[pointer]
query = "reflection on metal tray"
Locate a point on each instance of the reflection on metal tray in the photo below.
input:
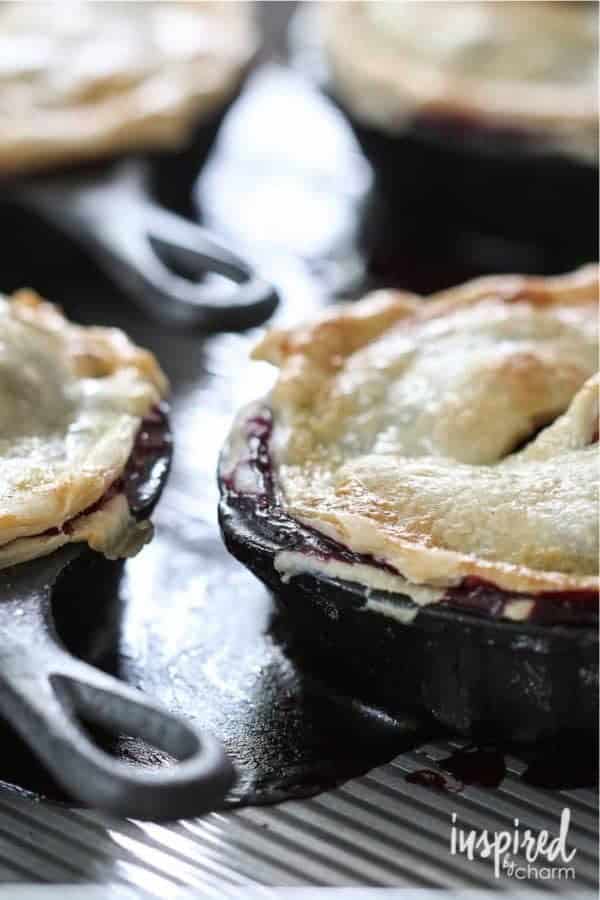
(378, 830)
(186, 607)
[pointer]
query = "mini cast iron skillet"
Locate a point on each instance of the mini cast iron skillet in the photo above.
(481, 196)
(155, 255)
(477, 674)
(45, 693)
(484, 199)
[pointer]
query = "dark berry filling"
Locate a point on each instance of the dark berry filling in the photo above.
(146, 467)
(473, 596)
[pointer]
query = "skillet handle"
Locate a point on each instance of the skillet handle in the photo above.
(44, 708)
(154, 255)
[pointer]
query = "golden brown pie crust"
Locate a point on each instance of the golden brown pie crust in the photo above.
(98, 79)
(71, 402)
(398, 420)
(508, 65)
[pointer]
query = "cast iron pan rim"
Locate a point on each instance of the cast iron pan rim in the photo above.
(163, 459)
(489, 680)
(230, 518)
(478, 139)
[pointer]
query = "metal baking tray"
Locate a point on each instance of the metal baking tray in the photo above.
(376, 831)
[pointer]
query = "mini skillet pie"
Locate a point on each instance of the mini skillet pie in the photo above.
(436, 445)
(92, 79)
(72, 403)
(525, 67)
(474, 117)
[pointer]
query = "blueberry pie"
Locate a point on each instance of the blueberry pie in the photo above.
(86, 80)
(78, 408)
(476, 117)
(445, 440)
(420, 491)
(530, 67)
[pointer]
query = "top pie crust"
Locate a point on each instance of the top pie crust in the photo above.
(397, 424)
(71, 403)
(80, 80)
(530, 66)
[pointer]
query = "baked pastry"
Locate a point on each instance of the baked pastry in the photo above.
(529, 67)
(420, 491)
(475, 117)
(75, 407)
(442, 442)
(103, 78)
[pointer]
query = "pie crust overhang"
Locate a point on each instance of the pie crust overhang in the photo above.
(71, 403)
(81, 80)
(527, 67)
(450, 439)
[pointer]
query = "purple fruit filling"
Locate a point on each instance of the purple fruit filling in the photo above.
(262, 507)
(147, 463)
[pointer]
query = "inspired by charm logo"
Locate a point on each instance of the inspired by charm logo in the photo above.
(519, 853)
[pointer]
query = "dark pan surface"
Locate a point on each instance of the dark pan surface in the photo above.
(486, 202)
(473, 672)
